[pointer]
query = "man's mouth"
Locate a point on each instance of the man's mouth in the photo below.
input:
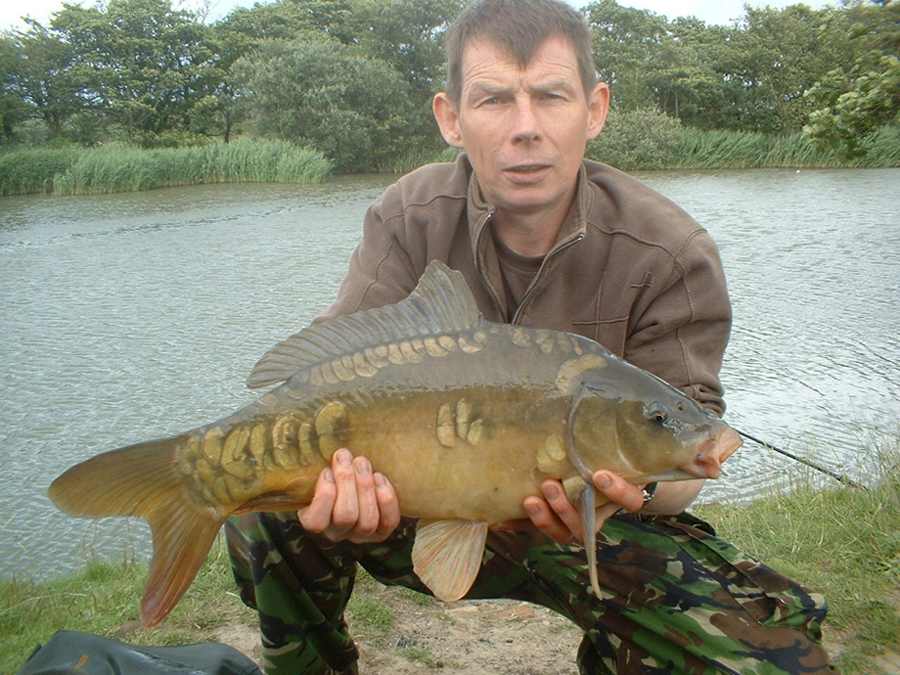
(527, 172)
(531, 166)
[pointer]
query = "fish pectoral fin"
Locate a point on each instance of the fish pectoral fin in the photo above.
(447, 555)
(671, 475)
(271, 502)
(587, 507)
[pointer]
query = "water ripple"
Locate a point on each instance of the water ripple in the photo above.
(127, 317)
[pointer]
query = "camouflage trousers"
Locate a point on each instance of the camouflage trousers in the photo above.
(676, 598)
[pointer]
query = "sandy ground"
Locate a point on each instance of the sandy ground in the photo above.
(466, 638)
(476, 637)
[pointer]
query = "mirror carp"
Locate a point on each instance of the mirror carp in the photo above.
(465, 416)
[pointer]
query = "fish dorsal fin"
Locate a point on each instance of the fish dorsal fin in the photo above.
(447, 555)
(440, 303)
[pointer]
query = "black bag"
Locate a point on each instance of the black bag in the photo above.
(73, 653)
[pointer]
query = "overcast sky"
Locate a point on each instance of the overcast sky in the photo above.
(711, 11)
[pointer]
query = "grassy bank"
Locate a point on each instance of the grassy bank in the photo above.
(642, 140)
(843, 543)
(116, 168)
(647, 140)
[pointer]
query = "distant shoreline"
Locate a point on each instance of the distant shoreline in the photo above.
(630, 144)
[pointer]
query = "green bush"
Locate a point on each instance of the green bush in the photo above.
(647, 139)
(355, 108)
(641, 139)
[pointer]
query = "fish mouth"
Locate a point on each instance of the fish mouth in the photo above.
(713, 452)
(728, 443)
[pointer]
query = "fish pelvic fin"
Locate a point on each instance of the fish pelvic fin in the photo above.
(440, 303)
(447, 555)
(143, 481)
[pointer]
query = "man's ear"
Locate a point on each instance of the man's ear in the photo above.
(598, 109)
(447, 117)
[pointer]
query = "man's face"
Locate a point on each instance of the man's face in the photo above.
(524, 129)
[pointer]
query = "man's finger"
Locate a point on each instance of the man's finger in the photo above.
(546, 521)
(346, 506)
(619, 491)
(317, 516)
(388, 506)
(368, 519)
(563, 508)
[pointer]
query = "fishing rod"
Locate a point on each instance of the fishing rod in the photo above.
(839, 477)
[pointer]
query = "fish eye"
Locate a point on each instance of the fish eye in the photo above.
(660, 417)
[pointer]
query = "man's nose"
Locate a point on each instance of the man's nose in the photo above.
(525, 123)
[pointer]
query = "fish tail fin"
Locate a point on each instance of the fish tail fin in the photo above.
(143, 480)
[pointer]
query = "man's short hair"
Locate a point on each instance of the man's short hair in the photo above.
(519, 27)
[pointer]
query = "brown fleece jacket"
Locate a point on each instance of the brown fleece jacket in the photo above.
(629, 269)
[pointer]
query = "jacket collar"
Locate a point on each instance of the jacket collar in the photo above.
(484, 251)
(479, 211)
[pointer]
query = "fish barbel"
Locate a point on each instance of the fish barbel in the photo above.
(466, 417)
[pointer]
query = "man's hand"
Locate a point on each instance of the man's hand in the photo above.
(556, 518)
(351, 502)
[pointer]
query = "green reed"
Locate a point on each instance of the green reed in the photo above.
(32, 171)
(420, 156)
(121, 168)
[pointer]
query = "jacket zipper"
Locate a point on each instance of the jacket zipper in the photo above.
(482, 225)
(528, 291)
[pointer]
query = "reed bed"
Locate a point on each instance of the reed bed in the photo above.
(647, 145)
(421, 156)
(118, 168)
(30, 171)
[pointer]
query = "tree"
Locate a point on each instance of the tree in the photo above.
(12, 108)
(221, 108)
(289, 19)
(627, 44)
(853, 101)
(408, 35)
(353, 107)
(784, 52)
(146, 64)
(45, 79)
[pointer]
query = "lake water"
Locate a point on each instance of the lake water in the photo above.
(129, 317)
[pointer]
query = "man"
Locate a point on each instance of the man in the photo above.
(544, 239)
